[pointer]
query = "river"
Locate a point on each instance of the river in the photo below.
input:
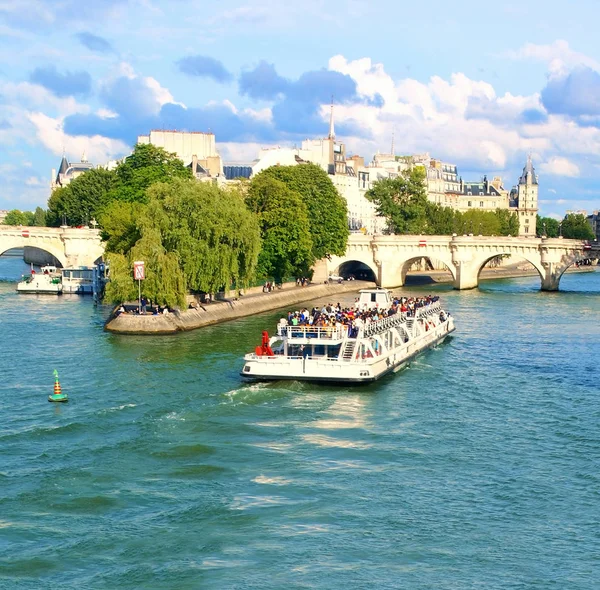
(477, 467)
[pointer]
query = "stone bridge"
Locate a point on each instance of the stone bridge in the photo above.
(390, 257)
(70, 246)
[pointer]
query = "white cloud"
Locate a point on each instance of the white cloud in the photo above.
(559, 56)
(51, 135)
(33, 181)
(559, 166)
(26, 95)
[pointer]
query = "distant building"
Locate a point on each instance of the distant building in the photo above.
(593, 220)
(196, 149)
(68, 171)
(233, 171)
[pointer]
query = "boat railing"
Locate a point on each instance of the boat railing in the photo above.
(384, 324)
(432, 308)
(318, 332)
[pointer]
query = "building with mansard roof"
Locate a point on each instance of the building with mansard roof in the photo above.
(68, 171)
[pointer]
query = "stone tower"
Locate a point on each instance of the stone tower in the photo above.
(527, 204)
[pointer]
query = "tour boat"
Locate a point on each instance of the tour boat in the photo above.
(388, 335)
(47, 281)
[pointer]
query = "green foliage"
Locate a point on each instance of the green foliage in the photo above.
(39, 217)
(576, 226)
(164, 282)
(147, 165)
(191, 236)
(547, 226)
(284, 228)
(121, 286)
(403, 202)
(216, 237)
(119, 223)
(17, 217)
(81, 200)
(327, 210)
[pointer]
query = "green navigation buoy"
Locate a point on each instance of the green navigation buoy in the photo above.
(58, 395)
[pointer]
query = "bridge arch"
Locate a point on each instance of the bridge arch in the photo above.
(482, 261)
(358, 269)
(7, 244)
(404, 266)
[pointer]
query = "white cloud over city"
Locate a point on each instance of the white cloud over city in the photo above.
(481, 118)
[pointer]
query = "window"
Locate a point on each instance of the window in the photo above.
(469, 204)
(494, 204)
(481, 204)
(527, 230)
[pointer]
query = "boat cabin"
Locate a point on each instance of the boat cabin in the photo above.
(374, 299)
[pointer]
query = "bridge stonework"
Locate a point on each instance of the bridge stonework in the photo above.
(390, 257)
(70, 246)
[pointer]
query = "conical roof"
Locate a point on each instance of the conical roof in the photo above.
(529, 169)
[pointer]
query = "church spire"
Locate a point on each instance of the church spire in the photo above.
(331, 128)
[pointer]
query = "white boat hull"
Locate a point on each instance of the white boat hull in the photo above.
(275, 368)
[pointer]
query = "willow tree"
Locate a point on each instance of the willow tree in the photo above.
(283, 218)
(327, 209)
(210, 229)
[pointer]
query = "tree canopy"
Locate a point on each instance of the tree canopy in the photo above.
(192, 236)
(91, 194)
(146, 165)
(547, 226)
(284, 226)
(576, 226)
(403, 202)
(327, 210)
(82, 199)
(17, 217)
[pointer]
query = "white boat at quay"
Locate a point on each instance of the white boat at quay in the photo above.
(380, 335)
(45, 282)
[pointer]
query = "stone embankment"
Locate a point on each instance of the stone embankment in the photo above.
(230, 309)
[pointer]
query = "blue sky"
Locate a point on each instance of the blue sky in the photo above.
(478, 84)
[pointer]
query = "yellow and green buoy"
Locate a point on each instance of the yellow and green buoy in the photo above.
(58, 395)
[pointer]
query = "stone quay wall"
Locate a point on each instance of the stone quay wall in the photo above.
(230, 309)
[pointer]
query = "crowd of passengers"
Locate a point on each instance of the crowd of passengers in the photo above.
(354, 318)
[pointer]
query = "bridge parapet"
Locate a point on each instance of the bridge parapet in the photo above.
(391, 256)
(70, 246)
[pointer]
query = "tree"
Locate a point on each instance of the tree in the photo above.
(576, 226)
(215, 236)
(17, 217)
(121, 286)
(146, 165)
(119, 223)
(191, 235)
(327, 210)
(82, 199)
(284, 228)
(402, 201)
(39, 217)
(508, 222)
(546, 226)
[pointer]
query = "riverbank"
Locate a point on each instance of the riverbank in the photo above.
(229, 309)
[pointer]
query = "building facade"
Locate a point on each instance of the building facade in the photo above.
(68, 171)
(196, 149)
